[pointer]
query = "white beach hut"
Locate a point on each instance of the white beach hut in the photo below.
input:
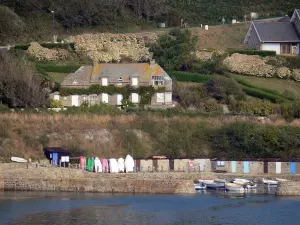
(113, 166)
(129, 164)
(98, 165)
(121, 165)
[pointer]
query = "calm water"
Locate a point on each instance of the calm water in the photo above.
(210, 207)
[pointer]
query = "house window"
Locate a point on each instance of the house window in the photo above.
(157, 80)
(104, 81)
(134, 81)
(160, 97)
(285, 48)
(135, 98)
(120, 79)
(105, 98)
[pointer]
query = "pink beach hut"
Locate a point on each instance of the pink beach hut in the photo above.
(82, 162)
(105, 166)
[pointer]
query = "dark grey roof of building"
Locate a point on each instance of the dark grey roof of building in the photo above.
(276, 32)
(298, 11)
(80, 78)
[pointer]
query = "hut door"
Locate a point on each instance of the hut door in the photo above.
(293, 167)
(246, 167)
(155, 165)
(265, 167)
(137, 165)
(213, 165)
(171, 164)
(55, 159)
(278, 167)
(202, 164)
(233, 166)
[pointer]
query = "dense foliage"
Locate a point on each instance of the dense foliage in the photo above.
(173, 51)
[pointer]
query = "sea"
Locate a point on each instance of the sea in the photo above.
(204, 207)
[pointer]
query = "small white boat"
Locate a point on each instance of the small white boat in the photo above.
(219, 180)
(18, 159)
(215, 185)
(269, 182)
(240, 181)
(234, 187)
(206, 180)
(281, 180)
(200, 186)
(250, 186)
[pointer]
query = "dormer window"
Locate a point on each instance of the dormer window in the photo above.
(120, 79)
(157, 80)
(74, 82)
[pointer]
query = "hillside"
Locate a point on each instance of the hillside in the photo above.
(35, 18)
(25, 135)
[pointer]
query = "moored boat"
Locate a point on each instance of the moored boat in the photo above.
(240, 181)
(250, 186)
(234, 187)
(200, 186)
(281, 180)
(215, 185)
(220, 180)
(269, 182)
(206, 180)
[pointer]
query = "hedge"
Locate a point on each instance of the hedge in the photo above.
(253, 52)
(48, 45)
(49, 67)
(189, 77)
(273, 92)
(263, 95)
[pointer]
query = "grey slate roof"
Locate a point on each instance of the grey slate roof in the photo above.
(276, 32)
(80, 77)
(88, 75)
(298, 11)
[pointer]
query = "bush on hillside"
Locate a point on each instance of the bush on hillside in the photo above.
(189, 77)
(221, 88)
(290, 111)
(255, 107)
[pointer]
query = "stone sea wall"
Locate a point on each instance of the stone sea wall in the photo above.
(288, 188)
(59, 179)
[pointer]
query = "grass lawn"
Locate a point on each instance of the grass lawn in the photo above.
(273, 84)
(58, 77)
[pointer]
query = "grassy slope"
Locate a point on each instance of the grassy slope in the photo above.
(274, 84)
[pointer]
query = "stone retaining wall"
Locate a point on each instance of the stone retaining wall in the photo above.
(288, 188)
(60, 179)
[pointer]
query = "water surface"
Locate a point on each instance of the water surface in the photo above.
(208, 207)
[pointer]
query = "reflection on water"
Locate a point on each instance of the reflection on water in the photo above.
(205, 207)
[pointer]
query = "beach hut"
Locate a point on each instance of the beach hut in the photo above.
(129, 164)
(82, 162)
(57, 156)
(113, 166)
(147, 165)
(121, 165)
(90, 164)
(105, 167)
(98, 165)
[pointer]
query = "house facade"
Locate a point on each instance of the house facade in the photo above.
(133, 75)
(282, 36)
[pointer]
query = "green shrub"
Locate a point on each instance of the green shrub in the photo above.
(255, 107)
(290, 110)
(56, 104)
(22, 46)
(189, 77)
(4, 108)
(262, 53)
(221, 88)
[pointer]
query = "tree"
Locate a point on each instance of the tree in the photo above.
(19, 85)
(172, 51)
(11, 26)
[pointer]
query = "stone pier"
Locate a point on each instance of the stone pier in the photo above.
(288, 188)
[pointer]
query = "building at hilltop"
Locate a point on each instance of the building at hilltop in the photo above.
(135, 79)
(282, 36)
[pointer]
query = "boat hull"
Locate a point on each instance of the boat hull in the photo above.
(234, 187)
(215, 185)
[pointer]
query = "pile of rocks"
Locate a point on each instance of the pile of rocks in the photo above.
(41, 53)
(108, 47)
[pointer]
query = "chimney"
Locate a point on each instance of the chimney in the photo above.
(152, 62)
